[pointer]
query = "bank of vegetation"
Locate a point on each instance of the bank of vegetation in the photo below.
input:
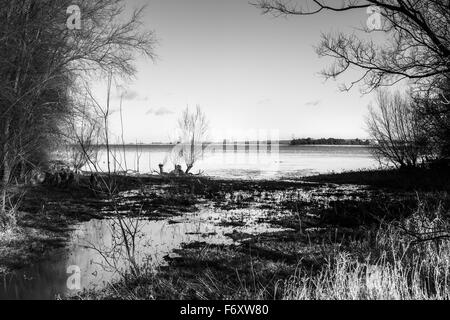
(330, 142)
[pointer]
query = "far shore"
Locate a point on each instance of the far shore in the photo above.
(285, 143)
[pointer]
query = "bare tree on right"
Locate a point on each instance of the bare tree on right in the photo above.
(394, 124)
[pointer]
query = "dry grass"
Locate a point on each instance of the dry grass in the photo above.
(405, 261)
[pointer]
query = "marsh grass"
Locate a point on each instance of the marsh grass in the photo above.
(348, 279)
(405, 259)
(8, 218)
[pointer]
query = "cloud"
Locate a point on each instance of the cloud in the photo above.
(128, 95)
(162, 111)
(314, 103)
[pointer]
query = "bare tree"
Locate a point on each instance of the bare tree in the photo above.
(121, 132)
(41, 61)
(417, 45)
(104, 113)
(434, 111)
(83, 136)
(395, 127)
(192, 133)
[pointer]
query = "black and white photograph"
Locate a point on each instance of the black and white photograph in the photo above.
(201, 151)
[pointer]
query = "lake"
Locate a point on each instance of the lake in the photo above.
(92, 253)
(239, 161)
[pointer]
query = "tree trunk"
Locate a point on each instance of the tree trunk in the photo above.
(191, 155)
(189, 167)
(6, 168)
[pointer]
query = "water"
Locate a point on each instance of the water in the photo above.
(281, 161)
(101, 252)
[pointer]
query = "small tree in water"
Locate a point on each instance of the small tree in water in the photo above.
(192, 133)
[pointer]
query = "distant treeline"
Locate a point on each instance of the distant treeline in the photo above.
(329, 141)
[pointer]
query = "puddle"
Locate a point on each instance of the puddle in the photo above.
(100, 250)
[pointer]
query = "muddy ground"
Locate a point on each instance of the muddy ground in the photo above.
(314, 213)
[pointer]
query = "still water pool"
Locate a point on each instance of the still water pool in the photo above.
(102, 250)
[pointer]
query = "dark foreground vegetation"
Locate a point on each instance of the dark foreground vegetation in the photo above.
(416, 179)
(341, 241)
(357, 235)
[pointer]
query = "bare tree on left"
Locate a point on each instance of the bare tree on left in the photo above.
(42, 62)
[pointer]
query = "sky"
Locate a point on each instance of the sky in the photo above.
(246, 70)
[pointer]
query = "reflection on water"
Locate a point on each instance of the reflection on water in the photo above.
(243, 163)
(103, 249)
